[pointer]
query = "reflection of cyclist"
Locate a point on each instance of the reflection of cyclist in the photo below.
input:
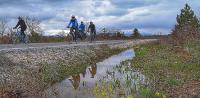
(92, 30)
(93, 70)
(22, 25)
(73, 25)
(75, 81)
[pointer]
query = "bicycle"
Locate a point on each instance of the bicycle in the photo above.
(75, 35)
(18, 37)
(83, 35)
(92, 35)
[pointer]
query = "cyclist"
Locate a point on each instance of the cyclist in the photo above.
(82, 29)
(73, 25)
(22, 25)
(92, 30)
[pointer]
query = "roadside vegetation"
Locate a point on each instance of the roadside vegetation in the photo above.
(173, 64)
(170, 68)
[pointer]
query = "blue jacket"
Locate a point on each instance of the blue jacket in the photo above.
(82, 27)
(73, 23)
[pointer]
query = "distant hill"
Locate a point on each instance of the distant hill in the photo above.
(143, 34)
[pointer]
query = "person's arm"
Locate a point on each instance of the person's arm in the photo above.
(76, 23)
(17, 25)
(89, 28)
(84, 27)
(79, 27)
(95, 28)
(69, 24)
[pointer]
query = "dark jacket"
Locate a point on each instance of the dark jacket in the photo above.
(92, 28)
(22, 24)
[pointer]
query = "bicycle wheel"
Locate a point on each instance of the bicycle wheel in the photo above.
(27, 39)
(16, 38)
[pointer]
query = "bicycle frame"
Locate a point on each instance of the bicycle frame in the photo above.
(18, 37)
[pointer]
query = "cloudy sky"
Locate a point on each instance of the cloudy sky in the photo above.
(149, 16)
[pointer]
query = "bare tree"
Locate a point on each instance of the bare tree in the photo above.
(33, 25)
(61, 33)
(3, 26)
(11, 35)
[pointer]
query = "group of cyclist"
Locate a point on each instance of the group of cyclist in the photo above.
(79, 31)
(76, 30)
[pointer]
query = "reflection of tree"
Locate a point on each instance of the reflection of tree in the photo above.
(75, 81)
(93, 70)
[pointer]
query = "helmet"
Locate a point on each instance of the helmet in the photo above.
(19, 17)
(73, 16)
(81, 21)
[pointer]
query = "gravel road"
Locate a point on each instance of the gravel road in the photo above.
(10, 47)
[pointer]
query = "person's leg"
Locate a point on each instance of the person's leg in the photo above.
(72, 33)
(84, 35)
(75, 34)
(80, 35)
(94, 34)
(23, 36)
(91, 36)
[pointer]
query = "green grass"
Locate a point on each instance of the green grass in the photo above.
(173, 82)
(194, 47)
(146, 93)
(198, 96)
(168, 67)
(142, 52)
(196, 76)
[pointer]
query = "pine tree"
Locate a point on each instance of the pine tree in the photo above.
(136, 33)
(187, 26)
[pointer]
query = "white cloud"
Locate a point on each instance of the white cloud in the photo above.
(105, 7)
(55, 32)
(147, 15)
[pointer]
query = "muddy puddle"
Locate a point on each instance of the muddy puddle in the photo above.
(111, 78)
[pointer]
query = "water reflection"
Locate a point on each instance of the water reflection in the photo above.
(75, 81)
(93, 70)
(109, 76)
